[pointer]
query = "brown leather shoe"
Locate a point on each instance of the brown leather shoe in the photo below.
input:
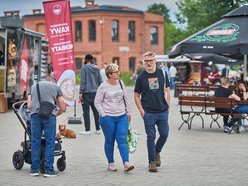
(158, 161)
(152, 166)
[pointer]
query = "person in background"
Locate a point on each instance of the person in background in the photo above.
(102, 72)
(225, 91)
(225, 71)
(241, 72)
(1, 58)
(187, 72)
(50, 92)
(173, 72)
(112, 104)
(90, 79)
(165, 68)
(152, 98)
(140, 68)
(242, 92)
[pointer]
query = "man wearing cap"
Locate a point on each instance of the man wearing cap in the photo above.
(90, 79)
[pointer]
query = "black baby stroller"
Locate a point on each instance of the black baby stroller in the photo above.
(24, 155)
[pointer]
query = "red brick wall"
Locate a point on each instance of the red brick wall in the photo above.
(157, 21)
(103, 48)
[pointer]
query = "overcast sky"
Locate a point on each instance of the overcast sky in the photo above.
(26, 6)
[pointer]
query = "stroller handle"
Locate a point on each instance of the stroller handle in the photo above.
(17, 105)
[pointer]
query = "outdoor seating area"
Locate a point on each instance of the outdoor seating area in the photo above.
(198, 101)
(202, 106)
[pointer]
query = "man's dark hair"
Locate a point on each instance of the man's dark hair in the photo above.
(88, 58)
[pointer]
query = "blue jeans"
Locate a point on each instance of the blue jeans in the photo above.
(161, 120)
(39, 124)
(115, 128)
(243, 109)
(172, 82)
(88, 101)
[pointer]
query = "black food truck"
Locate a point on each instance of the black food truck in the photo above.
(20, 62)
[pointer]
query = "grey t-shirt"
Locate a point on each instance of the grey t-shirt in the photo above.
(48, 92)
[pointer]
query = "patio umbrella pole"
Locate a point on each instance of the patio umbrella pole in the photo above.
(245, 66)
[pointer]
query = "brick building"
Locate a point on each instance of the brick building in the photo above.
(110, 33)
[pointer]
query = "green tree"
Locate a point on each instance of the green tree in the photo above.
(172, 35)
(198, 14)
(161, 9)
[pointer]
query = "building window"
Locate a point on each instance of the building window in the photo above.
(78, 63)
(78, 31)
(41, 27)
(131, 64)
(92, 30)
(131, 31)
(154, 35)
(115, 30)
(116, 60)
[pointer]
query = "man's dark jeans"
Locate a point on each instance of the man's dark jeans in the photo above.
(226, 120)
(88, 101)
(161, 120)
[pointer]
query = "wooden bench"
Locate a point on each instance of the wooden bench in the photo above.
(192, 89)
(206, 105)
(191, 102)
(188, 89)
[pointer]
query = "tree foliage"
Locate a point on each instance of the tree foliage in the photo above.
(172, 35)
(161, 9)
(193, 16)
(198, 14)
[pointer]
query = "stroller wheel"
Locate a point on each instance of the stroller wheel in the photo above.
(18, 159)
(61, 164)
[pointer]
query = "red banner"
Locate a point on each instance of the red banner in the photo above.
(23, 67)
(59, 32)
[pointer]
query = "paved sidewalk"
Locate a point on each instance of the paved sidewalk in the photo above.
(196, 157)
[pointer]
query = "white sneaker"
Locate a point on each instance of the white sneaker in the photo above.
(85, 132)
(112, 167)
(128, 167)
(227, 129)
(98, 132)
(241, 129)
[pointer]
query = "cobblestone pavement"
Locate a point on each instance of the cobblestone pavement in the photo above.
(196, 157)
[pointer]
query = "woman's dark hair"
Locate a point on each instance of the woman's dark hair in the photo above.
(238, 91)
